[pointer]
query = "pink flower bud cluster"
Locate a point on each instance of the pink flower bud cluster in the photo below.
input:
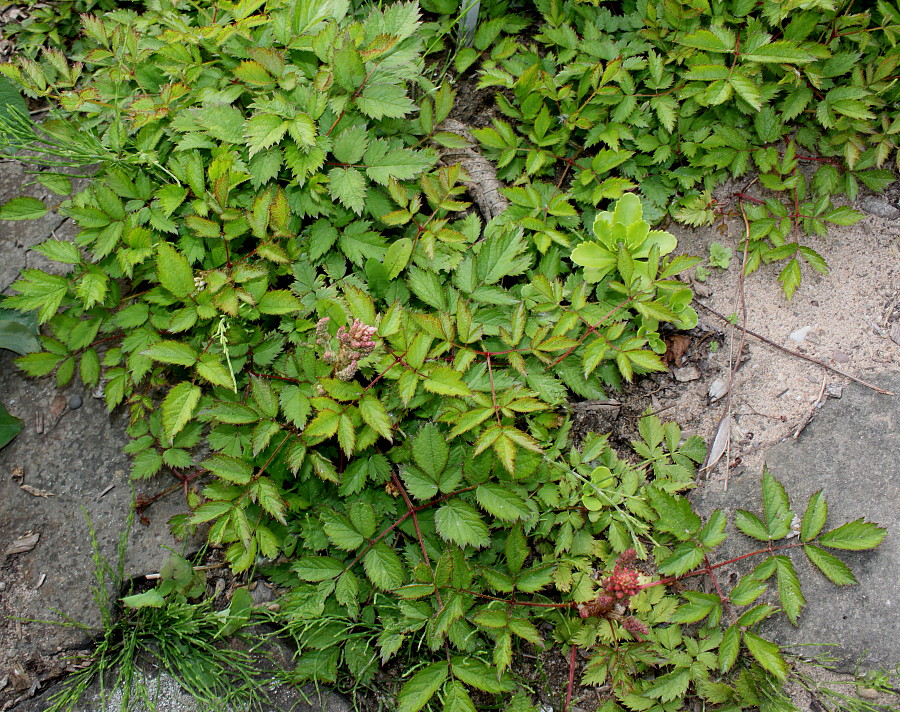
(354, 344)
(618, 588)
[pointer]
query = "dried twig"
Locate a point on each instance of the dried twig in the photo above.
(734, 361)
(803, 356)
(812, 411)
(483, 186)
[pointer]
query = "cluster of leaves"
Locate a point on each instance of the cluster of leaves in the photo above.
(672, 98)
(265, 212)
(57, 25)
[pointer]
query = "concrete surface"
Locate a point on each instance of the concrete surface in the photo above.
(851, 451)
(18, 237)
(76, 460)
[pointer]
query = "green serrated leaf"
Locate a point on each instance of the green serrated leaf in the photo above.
(767, 654)
(173, 271)
(857, 535)
(460, 523)
(23, 209)
(420, 688)
(814, 518)
(383, 567)
(430, 451)
(789, 590)
(10, 426)
(178, 407)
(173, 352)
(832, 567)
(348, 186)
(776, 506)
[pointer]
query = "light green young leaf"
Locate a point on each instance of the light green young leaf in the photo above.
(348, 186)
(178, 407)
(23, 209)
(173, 271)
(460, 523)
(420, 688)
(430, 450)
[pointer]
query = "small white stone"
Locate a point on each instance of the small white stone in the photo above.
(800, 335)
(718, 388)
(687, 373)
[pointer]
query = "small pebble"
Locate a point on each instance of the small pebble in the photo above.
(718, 388)
(868, 693)
(840, 357)
(800, 335)
(75, 402)
(688, 373)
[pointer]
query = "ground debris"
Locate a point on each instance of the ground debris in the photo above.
(35, 492)
(23, 544)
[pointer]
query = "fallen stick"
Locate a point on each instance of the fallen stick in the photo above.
(799, 355)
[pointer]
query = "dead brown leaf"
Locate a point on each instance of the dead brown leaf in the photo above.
(57, 405)
(676, 346)
(36, 492)
(24, 543)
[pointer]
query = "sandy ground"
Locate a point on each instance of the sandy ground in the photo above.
(845, 320)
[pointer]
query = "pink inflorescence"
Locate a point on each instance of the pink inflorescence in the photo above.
(354, 344)
(618, 587)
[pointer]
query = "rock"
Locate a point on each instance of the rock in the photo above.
(868, 693)
(75, 402)
(834, 390)
(879, 207)
(850, 451)
(840, 357)
(800, 335)
(167, 695)
(686, 373)
(717, 389)
(76, 459)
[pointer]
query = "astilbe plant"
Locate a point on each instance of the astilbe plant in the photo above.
(271, 271)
